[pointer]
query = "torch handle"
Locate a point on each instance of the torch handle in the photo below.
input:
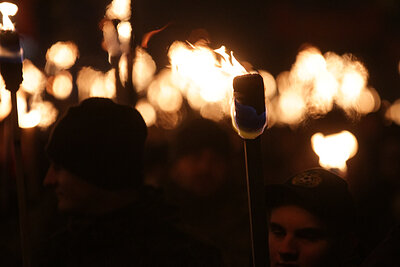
(256, 202)
(23, 216)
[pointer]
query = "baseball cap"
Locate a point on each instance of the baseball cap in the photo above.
(319, 191)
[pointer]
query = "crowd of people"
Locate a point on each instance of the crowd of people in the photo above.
(117, 206)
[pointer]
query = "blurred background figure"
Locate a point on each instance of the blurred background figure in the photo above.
(206, 184)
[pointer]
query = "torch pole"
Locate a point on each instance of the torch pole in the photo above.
(256, 201)
(21, 187)
(11, 70)
(250, 120)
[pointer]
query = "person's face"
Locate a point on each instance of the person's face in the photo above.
(297, 238)
(73, 194)
(201, 173)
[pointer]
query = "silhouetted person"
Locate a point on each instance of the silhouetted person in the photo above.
(311, 219)
(207, 186)
(114, 219)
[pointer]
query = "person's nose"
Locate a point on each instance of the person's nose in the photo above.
(51, 177)
(288, 250)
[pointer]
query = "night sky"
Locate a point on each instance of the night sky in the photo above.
(267, 34)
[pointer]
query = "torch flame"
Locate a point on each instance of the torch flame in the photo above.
(143, 69)
(204, 75)
(94, 83)
(34, 80)
(319, 81)
(119, 9)
(147, 111)
(62, 55)
(334, 150)
(7, 9)
(62, 86)
(5, 100)
(393, 112)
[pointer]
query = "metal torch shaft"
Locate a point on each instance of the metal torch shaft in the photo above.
(256, 202)
(21, 187)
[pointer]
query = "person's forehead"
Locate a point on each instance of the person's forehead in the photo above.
(294, 217)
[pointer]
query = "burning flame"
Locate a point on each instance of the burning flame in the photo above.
(119, 9)
(5, 100)
(48, 113)
(61, 55)
(32, 110)
(34, 81)
(110, 39)
(37, 113)
(61, 85)
(143, 69)
(124, 30)
(93, 83)
(163, 94)
(123, 69)
(204, 75)
(26, 118)
(291, 107)
(334, 150)
(317, 81)
(148, 112)
(393, 112)
(7, 9)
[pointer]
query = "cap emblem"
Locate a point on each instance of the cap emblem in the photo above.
(307, 180)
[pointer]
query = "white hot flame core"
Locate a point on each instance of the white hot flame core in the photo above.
(204, 75)
(334, 150)
(7, 9)
(124, 31)
(119, 9)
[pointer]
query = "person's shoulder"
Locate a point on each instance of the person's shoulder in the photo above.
(175, 248)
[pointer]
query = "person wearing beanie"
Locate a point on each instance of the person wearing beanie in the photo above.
(311, 221)
(114, 219)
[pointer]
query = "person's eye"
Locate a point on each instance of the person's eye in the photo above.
(56, 167)
(311, 236)
(277, 231)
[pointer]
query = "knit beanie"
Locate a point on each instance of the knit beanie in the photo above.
(101, 142)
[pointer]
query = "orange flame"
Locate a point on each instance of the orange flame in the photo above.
(61, 86)
(110, 39)
(119, 9)
(393, 112)
(5, 100)
(92, 83)
(34, 81)
(148, 112)
(61, 55)
(319, 81)
(143, 69)
(334, 150)
(204, 75)
(163, 94)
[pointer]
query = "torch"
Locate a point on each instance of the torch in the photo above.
(11, 70)
(249, 119)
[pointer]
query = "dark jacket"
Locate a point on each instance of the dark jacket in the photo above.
(134, 236)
